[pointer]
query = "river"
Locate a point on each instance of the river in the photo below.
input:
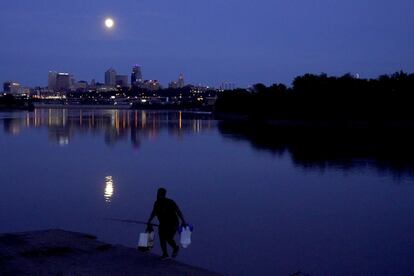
(261, 203)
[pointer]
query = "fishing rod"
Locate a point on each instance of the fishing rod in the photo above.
(131, 221)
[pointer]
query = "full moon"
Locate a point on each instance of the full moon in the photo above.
(109, 23)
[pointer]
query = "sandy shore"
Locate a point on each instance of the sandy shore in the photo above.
(58, 252)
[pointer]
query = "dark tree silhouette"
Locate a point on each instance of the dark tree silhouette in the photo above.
(323, 97)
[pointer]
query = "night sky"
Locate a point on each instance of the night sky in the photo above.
(242, 41)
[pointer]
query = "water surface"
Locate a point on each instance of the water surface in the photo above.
(259, 206)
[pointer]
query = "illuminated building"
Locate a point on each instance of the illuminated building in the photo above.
(59, 81)
(11, 87)
(180, 81)
(121, 80)
(177, 84)
(63, 81)
(136, 76)
(93, 84)
(110, 77)
(152, 85)
(81, 86)
(51, 80)
(72, 81)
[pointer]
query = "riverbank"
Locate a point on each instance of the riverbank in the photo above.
(79, 106)
(10, 103)
(249, 120)
(59, 252)
(120, 107)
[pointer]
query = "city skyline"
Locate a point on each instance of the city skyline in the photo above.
(111, 78)
(246, 43)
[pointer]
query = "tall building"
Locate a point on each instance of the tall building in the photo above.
(60, 81)
(11, 87)
(72, 81)
(93, 84)
(121, 80)
(81, 86)
(51, 80)
(177, 84)
(180, 81)
(110, 77)
(63, 81)
(136, 76)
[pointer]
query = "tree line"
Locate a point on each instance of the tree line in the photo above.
(10, 102)
(323, 97)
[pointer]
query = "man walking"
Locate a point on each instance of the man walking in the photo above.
(167, 212)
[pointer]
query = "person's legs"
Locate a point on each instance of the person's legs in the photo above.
(170, 239)
(175, 251)
(172, 243)
(163, 241)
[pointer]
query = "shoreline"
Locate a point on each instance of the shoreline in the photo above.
(59, 252)
(69, 106)
(240, 119)
(118, 107)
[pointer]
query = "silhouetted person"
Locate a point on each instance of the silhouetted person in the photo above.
(167, 212)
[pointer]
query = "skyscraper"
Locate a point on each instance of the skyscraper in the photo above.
(136, 76)
(177, 84)
(121, 80)
(180, 82)
(63, 81)
(11, 87)
(51, 80)
(93, 84)
(110, 77)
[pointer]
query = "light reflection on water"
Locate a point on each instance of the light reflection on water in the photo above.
(109, 188)
(117, 125)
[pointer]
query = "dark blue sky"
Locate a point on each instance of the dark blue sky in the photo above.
(243, 41)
